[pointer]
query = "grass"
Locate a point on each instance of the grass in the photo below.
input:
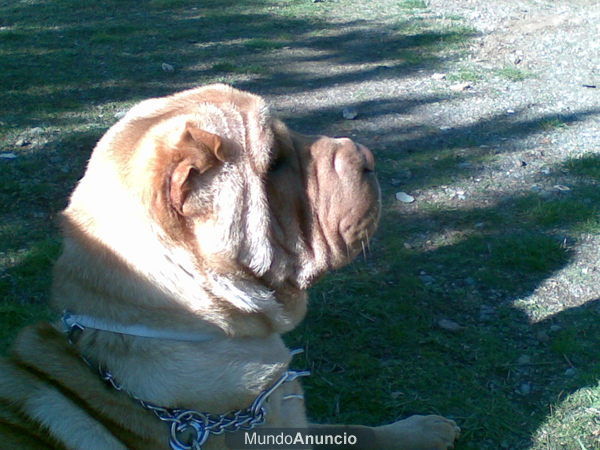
(69, 67)
(512, 73)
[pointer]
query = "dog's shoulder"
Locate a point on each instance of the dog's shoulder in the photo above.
(50, 395)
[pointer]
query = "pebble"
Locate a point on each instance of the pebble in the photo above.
(449, 325)
(427, 279)
(555, 328)
(8, 155)
(120, 114)
(404, 197)
(525, 389)
(571, 371)
(23, 142)
(349, 113)
(167, 68)
(438, 76)
(560, 187)
(460, 87)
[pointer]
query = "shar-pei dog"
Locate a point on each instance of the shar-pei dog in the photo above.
(189, 245)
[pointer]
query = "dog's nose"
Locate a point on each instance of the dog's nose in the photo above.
(355, 154)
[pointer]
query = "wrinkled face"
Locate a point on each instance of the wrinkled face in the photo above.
(249, 197)
(324, 200)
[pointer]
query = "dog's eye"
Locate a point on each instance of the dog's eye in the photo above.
(277, 163)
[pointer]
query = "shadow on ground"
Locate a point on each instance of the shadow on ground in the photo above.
(497, 375)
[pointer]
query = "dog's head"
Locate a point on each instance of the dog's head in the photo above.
(209, 177)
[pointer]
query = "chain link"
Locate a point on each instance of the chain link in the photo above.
(186, 423)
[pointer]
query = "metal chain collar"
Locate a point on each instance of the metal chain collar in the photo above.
(190, 429)
(201, 424)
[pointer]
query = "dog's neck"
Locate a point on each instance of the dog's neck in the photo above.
(125, 262)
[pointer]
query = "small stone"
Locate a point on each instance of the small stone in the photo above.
(438, 76)
(445, 128)
(523, 164)
(555, 328)
(427, 279)
(524, 360)
(404, 197)
(480, 225)
(525, 389)
(120, 114)
(349, 113)
(167, 68)
(22, 142)
(8, 155)
(460, 87)
(560, 187)
(407, 246)
(571, 372)
(449, 325)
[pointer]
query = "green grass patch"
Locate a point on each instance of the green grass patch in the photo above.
(413, 4)
(513, 73)
(573, 423)
(587, 165)
(465, 74)
(263, 44)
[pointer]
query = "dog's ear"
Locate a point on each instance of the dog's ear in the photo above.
(198, 152)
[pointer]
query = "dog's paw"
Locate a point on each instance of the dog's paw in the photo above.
(419, 433)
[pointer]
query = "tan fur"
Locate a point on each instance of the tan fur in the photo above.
(198, 212)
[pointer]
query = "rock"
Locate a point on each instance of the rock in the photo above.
(438, 76)
(560, 187)
(571, 372)
(120, 114)
(449, 325)
(460, 87)
(8, 155)
(427, 279)
(22, 142)
(349, 113)
(167, 68)
(404, 197)
(525, 389)
(555, 328)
